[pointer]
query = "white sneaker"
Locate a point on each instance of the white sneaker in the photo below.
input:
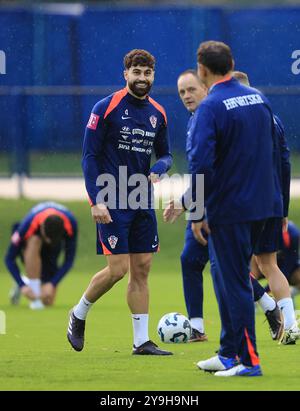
(240, 371)
(36, 305)
(290, 336)
(217, 363)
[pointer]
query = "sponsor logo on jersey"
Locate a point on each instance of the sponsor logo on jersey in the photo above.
(125, 130)
(112, 241)
(124, 146)
(150, 134)
(93, 121)
(138, 131)
(139, 149)
(153, 121)
(137, 140)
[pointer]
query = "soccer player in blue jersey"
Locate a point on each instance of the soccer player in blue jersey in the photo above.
(123, 130)
(233, 137)
(48, 230)
(195, 256)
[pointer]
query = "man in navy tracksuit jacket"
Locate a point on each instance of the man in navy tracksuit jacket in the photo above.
(232, 135)
(195, 256)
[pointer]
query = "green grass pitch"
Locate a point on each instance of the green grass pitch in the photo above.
(35, 354)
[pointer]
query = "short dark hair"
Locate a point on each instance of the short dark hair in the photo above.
(139, 57)
(216, 56)
(54, 228)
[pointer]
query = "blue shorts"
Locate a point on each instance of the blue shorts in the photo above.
(270, 240)
(131, 231)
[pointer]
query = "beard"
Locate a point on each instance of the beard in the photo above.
(140, 91)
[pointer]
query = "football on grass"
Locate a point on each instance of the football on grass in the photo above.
(174, 328)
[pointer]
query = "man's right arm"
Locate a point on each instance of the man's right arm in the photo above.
(92, 147)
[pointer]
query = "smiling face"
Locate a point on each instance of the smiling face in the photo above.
(139, 80)
(191, 91)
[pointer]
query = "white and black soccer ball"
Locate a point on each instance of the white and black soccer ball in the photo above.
(174, 328)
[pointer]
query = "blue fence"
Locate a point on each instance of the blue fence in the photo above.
(50, 48)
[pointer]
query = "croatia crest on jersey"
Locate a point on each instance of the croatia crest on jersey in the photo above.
(113, 241)
(153, 121)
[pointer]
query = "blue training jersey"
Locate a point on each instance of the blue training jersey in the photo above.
(30, 225)
(123, 131)
(233, 139)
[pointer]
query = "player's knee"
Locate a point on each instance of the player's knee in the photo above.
(141, 270)
(118, 272)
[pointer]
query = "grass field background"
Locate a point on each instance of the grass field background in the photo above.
(35, 354)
